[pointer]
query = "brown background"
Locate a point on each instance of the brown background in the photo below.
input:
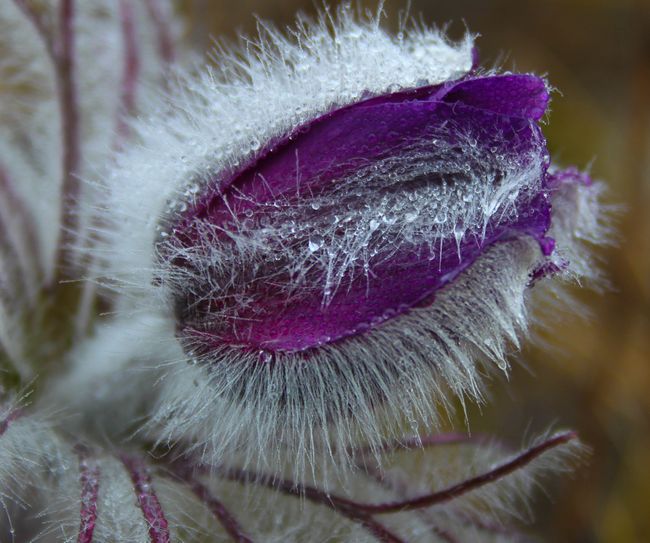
(597, 52)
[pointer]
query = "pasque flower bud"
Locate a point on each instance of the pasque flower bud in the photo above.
(342, 230)
(306, 254)
(360, 215)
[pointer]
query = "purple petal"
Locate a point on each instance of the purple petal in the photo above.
(514, 95)
(495, 114)
(340, 142)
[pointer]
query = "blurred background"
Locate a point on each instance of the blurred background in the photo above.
(597, 52)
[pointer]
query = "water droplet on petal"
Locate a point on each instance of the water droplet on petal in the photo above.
(265, 357)
(315, 243)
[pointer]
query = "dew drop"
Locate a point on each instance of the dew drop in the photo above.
(265, 357)
(411, 216)
(315, 243)
(440, 218)
(362, 327)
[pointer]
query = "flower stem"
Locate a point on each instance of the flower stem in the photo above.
(147, 499)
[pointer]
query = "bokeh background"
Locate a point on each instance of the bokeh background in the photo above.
(597, 53)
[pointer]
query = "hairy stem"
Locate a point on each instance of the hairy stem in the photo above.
(147, 500)
(130, 73)
(448, 494)
(89, 474)
(70, 188)
(362, 512)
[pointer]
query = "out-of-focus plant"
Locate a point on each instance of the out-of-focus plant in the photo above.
(299, 259)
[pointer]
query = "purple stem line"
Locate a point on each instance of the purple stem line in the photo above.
(399, 486)
(422, 442)
(448, 494)
(147, 499)
(218, 509)
(70, 188)
(131, 71)
(165, 41)
(381, 532)
(377, 529)
(318, 496)
(454, 491)
(89, 474)
(61, 52)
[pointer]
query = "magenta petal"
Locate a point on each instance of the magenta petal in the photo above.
(496, 115)
(514, 95)
(344, 140)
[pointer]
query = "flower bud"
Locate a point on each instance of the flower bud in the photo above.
(360, 215)
(342, 230)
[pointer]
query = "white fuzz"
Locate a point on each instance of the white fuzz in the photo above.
(581, 223)
(32, 456)
(275, 515)
(358, 390)
(112, 380)
(315, 411)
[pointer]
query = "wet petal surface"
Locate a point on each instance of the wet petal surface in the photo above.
(469, 154)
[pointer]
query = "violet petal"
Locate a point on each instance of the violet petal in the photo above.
(496, 115)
